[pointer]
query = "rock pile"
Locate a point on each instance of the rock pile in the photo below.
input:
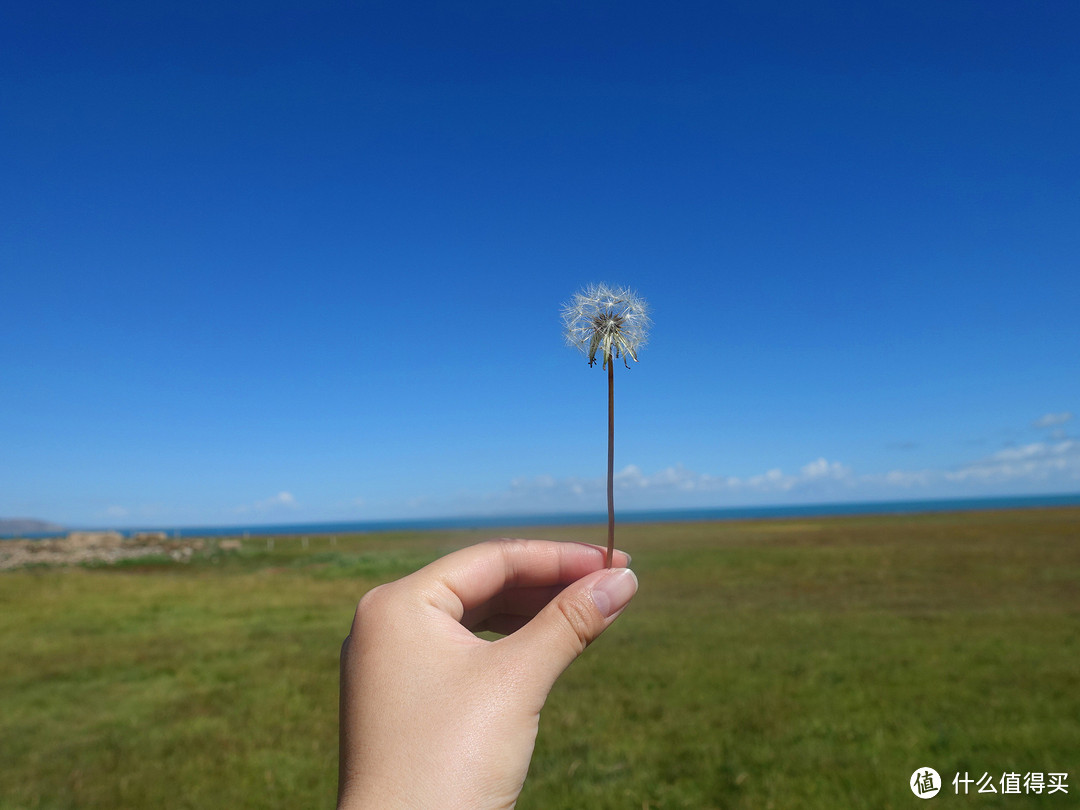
(87, 547)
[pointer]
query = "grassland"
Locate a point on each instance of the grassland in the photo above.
(763, 664)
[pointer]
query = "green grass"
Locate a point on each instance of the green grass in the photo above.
(781, 664)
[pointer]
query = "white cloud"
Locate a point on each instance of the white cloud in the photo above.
(1032, 462)
(908, 478)
(821, 469)
(677, 478)
(1048, 466)
(674, 482)
(283, 500)
(1041, 466)
(1052, 419)
(119, 515)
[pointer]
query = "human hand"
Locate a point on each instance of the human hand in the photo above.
(433, 716)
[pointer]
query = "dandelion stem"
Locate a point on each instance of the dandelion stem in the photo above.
(610, 459)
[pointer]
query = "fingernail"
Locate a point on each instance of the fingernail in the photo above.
(614, 590)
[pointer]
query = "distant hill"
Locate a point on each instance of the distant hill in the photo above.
(27, 526)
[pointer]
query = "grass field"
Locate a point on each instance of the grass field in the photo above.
(763, 664)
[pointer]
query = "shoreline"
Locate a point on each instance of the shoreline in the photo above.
(867, 509)
(154, 548)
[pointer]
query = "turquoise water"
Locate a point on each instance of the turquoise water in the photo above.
(645, 516)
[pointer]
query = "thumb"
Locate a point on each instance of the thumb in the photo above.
(562, 630)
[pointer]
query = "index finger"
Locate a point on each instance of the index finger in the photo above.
(470, 577)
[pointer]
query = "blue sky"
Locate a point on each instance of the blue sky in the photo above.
(284, 261)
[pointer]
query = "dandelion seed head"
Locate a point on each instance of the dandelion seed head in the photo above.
(610, 320)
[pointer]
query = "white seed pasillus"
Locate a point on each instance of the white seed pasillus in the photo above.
(611, 320)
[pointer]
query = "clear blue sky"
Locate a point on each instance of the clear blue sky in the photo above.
(296, 261)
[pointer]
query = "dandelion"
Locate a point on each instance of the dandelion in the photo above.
(615, 322)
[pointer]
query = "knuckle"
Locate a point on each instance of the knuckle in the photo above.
(371, 599)
(509, 547)
(372, 606)
(580, 616)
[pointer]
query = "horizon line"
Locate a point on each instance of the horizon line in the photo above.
(553, 518)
